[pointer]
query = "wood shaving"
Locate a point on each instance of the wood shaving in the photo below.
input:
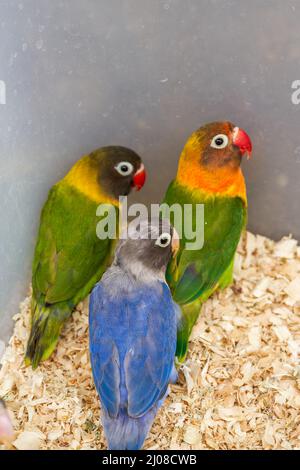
(239, 388)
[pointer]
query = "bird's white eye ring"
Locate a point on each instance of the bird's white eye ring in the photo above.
(219, 141)
(164, 240)
(124, 168)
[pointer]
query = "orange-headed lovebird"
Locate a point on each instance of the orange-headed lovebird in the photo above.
(208, 173)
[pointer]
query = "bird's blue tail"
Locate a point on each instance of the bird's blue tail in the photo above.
(125, 433)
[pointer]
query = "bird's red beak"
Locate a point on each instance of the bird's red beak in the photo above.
(242, 140)
(139, 178)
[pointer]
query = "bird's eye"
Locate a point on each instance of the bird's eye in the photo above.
(219, 141)
(163, 240)
(124, 168)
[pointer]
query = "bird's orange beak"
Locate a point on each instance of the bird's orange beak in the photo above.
(139, 178)
(241, 139)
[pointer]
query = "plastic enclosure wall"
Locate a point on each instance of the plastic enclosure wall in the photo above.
(77, 74)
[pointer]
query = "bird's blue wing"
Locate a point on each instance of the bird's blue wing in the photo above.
(104, 353)
(149, 361)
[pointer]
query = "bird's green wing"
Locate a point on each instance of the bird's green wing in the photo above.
(197, 272)
(68, 253)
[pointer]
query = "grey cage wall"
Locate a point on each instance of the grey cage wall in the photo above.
(76, 75)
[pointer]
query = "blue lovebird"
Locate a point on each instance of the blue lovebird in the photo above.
(133, 328)
(6, 429)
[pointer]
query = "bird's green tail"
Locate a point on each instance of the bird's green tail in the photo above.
(190, 313)
(47, 322)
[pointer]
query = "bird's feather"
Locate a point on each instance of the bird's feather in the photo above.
(132, 347)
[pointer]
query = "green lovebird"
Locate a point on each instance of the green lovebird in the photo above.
(209, 173)
(69, 257)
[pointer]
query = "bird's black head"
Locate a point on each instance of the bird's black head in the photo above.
(120, 170)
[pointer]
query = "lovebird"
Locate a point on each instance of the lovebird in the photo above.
(69, 257)
(208, 173)
(6, 429)
(133, 329)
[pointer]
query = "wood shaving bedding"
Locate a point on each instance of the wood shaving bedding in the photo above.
(239, 388)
